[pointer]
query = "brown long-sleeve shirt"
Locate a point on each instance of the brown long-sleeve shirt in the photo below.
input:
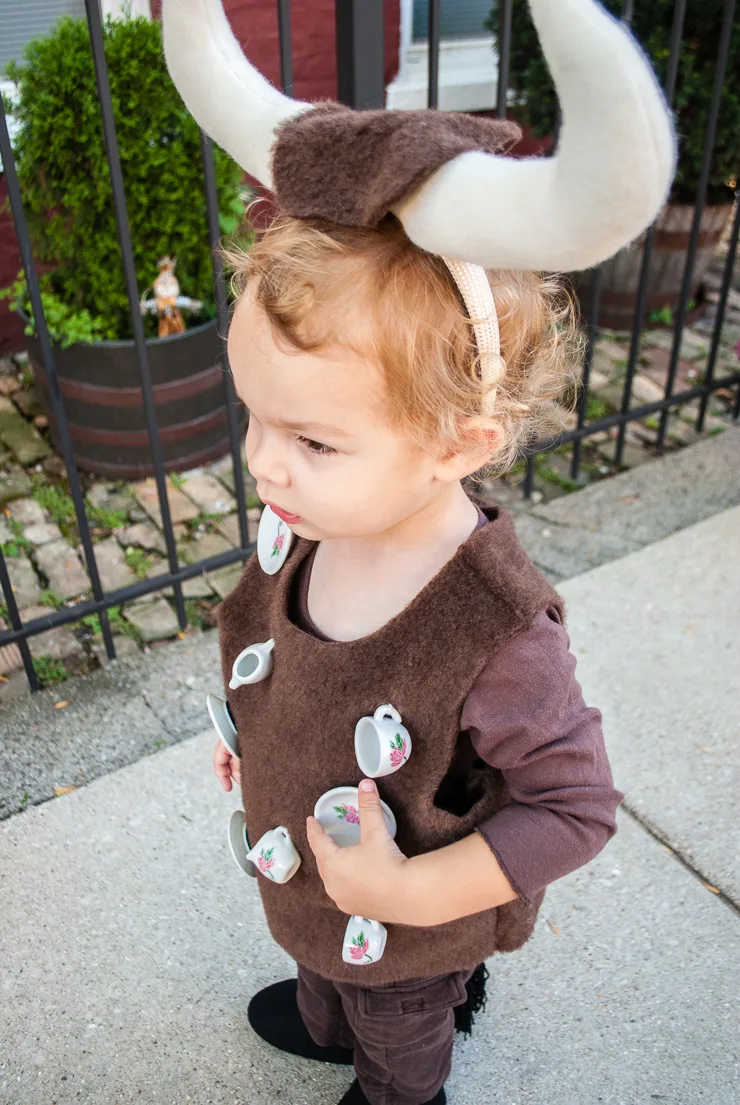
(525, 715)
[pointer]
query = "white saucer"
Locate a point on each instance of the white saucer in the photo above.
(271, 529)
(239, 844)
(328, 811)
(222, 723)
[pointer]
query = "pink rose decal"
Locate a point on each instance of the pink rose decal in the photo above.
(279, 541)
(265, 861)
(398, 750)
(359, 947)
(347, 813)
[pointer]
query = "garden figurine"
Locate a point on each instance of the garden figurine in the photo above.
(394, 334)
(167, 300)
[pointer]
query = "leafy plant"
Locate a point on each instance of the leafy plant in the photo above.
(65, 180)
(52, 599)
(537, 104)
(664, 315)
(595, 409)
(107, 519)
(49, 671)
(117, 623)
(18, 543)
(56, 502)
(137, 560)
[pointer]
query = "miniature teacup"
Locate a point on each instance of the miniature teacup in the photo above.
(223, 722)
(275, 855)
(364, 941)
(382, 744)
(252, 665)
(239, 843)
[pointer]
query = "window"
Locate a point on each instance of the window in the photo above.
(458, 19)
(468, 66)
(22, 20)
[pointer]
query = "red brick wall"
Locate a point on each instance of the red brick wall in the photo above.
(11, 331)
(254, 23)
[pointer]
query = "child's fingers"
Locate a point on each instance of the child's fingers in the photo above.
(319, 841)
(222, 765)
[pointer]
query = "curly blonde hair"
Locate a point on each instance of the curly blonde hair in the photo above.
(374, 292)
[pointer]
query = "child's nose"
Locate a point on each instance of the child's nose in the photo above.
(265, 461)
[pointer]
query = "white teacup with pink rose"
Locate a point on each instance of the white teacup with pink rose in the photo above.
(338, 813)
(275, 855)
(382, 743)
(364, 941)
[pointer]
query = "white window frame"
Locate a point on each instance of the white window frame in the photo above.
(468, 71)
(126, 8)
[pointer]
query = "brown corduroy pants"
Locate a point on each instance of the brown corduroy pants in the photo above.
(401, 1033)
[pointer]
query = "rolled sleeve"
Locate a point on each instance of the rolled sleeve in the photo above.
(525, 715)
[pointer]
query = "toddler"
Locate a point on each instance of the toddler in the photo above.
(352, 351)
(392, 337)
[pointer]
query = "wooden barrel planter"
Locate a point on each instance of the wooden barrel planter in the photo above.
(101, 388)
(621, 274)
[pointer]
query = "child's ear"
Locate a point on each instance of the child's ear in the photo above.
(484, 440)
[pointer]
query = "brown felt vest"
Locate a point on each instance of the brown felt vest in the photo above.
(296, 738)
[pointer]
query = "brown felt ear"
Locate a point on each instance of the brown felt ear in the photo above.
(350, 167)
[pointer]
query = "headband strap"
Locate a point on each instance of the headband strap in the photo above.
(473, 285)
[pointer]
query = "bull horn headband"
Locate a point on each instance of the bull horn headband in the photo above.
(445, 175)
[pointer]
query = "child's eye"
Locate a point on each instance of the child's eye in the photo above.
(316, 447)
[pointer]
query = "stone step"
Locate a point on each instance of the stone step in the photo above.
(20, 437)
(60, 564)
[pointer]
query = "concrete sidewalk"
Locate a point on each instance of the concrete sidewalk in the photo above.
(131, 943)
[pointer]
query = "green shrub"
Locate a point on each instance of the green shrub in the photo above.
(65, 181)
(530, 80)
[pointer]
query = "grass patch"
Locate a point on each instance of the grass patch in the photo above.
(117, 622)
(49, 671)
(18, 543)
(595, 409)
(52, 599)
(253, 501)
(107, 519)
(138, 561)
(56, 502)
(550, 475)
(203, 520)
(177, 481)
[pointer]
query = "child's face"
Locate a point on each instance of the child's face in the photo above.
(319, 443)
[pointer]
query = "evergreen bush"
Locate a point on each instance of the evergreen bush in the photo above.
(530, 80)
(65, 181)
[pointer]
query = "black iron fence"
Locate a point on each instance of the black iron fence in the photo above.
(360, 68)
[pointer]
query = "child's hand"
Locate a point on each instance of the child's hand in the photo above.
(226, 766)
(366, 878)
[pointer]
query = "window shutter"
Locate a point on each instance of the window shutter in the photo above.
(22, 20)
(458, 19)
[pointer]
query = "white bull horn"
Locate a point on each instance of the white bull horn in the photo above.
(231, 101)
(607, 181)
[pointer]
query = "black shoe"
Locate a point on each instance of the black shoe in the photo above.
(273, 1014)
(355, 1096)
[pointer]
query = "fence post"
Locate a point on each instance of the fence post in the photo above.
(360, 53)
